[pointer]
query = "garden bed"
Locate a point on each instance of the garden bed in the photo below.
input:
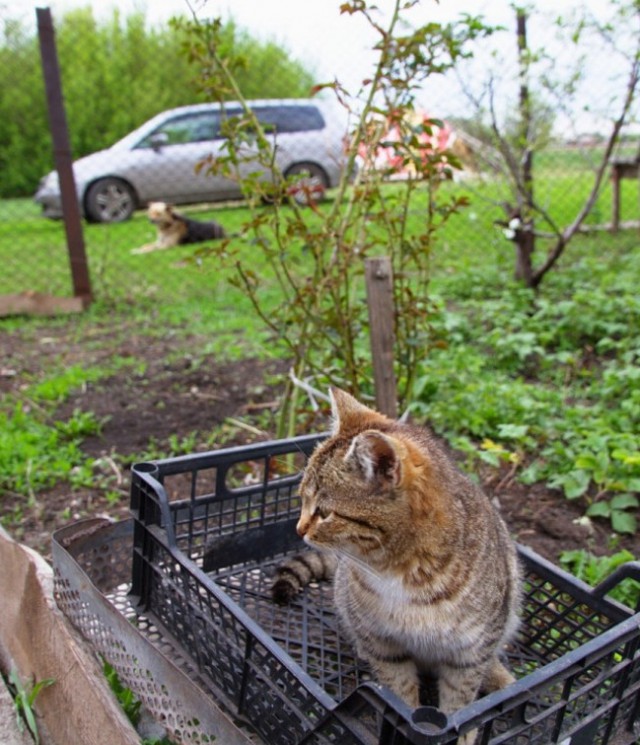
(183, 393)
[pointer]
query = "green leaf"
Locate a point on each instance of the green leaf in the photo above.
(512, 431)
(531, 474)
(599, 509)
(586, 460)
(490, 457)
(27, 713)
(623, 522)
(38, 687)
(624, 502)
(574, 483)
(629, 459)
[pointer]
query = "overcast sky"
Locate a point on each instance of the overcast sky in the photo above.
(339, 46)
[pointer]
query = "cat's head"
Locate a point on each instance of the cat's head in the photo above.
(363, 491)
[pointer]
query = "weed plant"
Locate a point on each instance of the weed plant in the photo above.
(549, 382)
(24, 699)
(129, 703)
(594, 569)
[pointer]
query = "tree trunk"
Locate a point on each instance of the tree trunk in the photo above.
(525, 236)
(524, 245)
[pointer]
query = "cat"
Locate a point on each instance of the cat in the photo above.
(427, 578)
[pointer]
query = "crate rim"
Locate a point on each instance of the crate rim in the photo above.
(520, 690)
(593, 595)
(236, 454)
(152, 471)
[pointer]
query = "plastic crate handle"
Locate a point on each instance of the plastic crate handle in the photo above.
(630, 570)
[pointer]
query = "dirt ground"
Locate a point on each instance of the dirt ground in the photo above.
(180, 393)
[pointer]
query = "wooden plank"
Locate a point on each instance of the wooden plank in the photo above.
(620, 169)
(39, 643)
(35, 303)
(379, 279)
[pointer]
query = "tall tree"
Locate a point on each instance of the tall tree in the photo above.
(25, 145)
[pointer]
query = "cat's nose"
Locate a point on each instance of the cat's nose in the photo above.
(302, 527)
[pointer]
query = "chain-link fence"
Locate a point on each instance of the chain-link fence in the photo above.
(123, 79)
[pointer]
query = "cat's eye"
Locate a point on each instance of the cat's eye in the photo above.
(321, 512)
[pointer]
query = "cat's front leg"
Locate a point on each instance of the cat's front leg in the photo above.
(458, 687)
(496, 677)
(399, 673)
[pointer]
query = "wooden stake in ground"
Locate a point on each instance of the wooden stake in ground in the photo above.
(379, 278)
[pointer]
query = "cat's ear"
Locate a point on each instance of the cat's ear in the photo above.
(378, 458)
(347, 412)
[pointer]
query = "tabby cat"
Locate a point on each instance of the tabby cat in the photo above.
(426, 575)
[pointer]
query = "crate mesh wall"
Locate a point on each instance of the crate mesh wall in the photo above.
(92, 578)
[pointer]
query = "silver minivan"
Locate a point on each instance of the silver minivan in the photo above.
(159, 160)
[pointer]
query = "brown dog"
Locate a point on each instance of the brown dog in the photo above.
(175, 229)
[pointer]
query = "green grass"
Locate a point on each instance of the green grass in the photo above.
(37, 450)
(547, 383)
(24, 699)
(32, 249)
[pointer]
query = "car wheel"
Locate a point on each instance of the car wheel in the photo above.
(308, 184)
(109, 200)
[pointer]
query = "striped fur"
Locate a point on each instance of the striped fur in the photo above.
(426, 574)
(298, 572)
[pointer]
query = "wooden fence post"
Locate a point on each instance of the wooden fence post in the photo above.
(379, 279)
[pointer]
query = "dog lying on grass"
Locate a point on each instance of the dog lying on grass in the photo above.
(175, 229)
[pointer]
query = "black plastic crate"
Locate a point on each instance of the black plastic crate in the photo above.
(209, 530)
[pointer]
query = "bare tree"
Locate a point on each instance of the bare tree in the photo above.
(526, 217)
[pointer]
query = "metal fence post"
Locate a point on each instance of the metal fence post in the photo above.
(62, 157)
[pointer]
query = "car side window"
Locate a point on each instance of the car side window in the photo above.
(290, 118)
(200, 127)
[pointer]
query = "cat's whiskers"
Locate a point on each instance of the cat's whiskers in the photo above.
(362, 565)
